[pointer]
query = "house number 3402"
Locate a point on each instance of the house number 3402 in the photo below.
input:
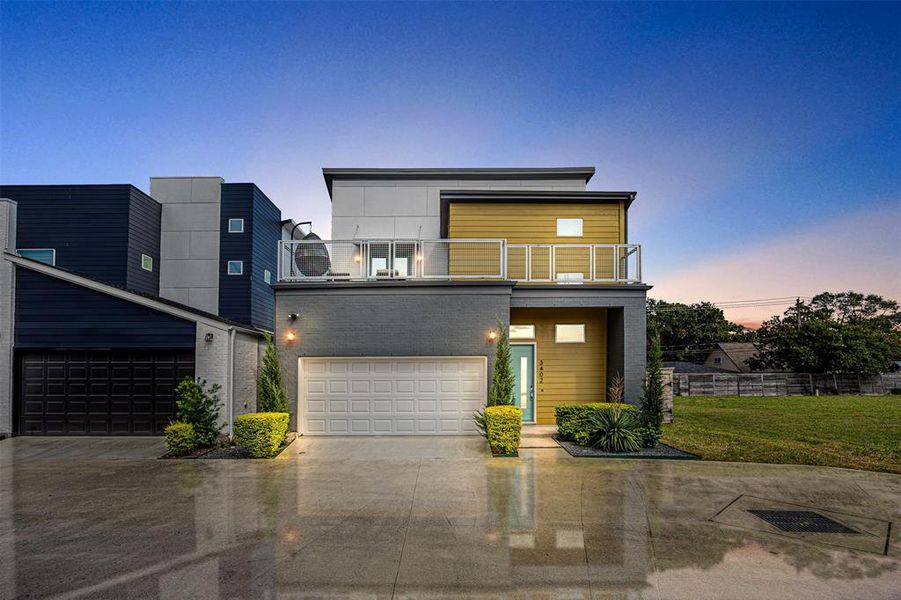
(540, 375)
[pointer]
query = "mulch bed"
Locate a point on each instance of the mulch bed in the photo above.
(658, 451)
(232, 452)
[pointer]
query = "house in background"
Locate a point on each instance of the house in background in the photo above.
(109, 296)
(389, 328)
(732, 356)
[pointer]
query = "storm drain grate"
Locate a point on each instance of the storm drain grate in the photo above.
(801, 521)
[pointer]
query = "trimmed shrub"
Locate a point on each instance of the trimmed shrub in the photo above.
(261, 434)
(573, 419)
(616, 430)
(200, 407)
(180, 438)
(504, 427)
(649, 436)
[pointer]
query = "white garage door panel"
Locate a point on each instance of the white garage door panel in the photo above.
(391, 396)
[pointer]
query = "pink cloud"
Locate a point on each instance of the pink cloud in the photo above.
(860, 251)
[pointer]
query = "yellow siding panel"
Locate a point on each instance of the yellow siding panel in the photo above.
(567, 373)
(536, 223)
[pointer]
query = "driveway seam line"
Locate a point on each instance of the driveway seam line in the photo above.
(403, 545)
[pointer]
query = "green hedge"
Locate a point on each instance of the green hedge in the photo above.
(180, 439)
(504, 427)
(261, 434)
(577, 421)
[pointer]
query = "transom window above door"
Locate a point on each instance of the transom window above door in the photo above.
(569, 227)
(522, 332)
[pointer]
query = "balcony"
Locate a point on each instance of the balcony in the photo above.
(457, 259)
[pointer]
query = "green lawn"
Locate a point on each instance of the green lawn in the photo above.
(858, 432)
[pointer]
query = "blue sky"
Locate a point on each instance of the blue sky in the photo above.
(743, 127)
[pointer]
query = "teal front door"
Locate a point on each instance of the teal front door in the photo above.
(523, 357)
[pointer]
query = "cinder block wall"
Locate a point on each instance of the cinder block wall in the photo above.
(432, 320)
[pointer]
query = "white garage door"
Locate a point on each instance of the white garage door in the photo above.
(391, 396)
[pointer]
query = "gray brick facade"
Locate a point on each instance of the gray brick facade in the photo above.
(7, 304)
(440, 319)
(435, 319)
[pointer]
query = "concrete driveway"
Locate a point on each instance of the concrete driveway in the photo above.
(429, 517)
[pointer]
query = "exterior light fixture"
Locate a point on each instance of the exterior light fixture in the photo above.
(208, 338)
(290, 336)
(419, 258)
(492, 336)
(358, 258)
(293, 316)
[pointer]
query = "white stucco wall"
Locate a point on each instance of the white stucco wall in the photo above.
(7, 306)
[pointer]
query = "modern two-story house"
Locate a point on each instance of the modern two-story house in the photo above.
(109, 296)
(390, 327)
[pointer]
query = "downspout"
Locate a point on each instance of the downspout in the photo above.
(230, 396)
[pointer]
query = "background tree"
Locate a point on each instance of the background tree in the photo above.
(271, 396)
(688, 332)
(847, 332)
(501, 391)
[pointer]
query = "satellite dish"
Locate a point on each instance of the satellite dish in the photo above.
(311, 259)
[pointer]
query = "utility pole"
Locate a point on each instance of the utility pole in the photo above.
(798, 312)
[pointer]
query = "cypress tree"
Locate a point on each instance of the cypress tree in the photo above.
(502, 382)
(271, 396)
(652, 388)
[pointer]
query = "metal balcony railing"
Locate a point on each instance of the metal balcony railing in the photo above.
(457, 259)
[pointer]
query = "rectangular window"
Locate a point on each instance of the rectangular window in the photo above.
(267, 276)
(235, 267)
(570, 334)
(146, 262)
(569, 227)
(522, 332)
(44, 255)
(236, 225)
(717, 360)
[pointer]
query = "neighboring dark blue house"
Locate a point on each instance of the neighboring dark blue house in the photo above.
(98, 343)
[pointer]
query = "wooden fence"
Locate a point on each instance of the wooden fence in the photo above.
(781, 384)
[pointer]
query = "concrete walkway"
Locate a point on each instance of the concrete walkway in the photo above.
(430, 517)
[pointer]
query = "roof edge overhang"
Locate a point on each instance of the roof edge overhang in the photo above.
(330, 174)
(528, 197)
(164, 306)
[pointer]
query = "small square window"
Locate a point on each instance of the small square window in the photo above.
(569, 227)
(235, 267)
(570, 334)
(267, 276)
(236, 225)
(44, 255)
(717, 360)
(522, 332)
(146, 262)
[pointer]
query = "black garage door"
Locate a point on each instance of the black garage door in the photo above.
(100, 392)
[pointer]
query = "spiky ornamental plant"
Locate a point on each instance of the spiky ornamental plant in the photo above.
(271, 396)
(502, 381)
(651, 410)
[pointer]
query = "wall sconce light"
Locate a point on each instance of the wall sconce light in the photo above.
(358, 258)
(290, 336)
(492, 336)
(293, 316)
(419, 258)
(208, 338)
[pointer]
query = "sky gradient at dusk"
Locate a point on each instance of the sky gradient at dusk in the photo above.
(763, 139)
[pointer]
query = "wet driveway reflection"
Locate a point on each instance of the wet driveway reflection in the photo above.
(421, 517)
